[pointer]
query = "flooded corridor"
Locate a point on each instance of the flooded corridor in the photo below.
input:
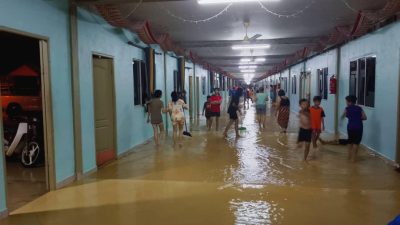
(257, 179)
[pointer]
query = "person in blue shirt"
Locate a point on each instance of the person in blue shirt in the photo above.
(355, 116)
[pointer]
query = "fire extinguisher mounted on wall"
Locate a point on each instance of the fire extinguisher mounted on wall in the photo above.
(332, 84)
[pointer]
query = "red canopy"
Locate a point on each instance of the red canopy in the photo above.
(24, 71)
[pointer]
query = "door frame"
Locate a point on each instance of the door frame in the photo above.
(191, 105)
(397, 156)
(47, 107)
(197, 87)
(114, 102)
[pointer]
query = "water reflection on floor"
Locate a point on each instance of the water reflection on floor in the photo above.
(256, 179)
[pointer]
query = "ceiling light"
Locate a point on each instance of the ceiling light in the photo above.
(247, 63)
(260, 60)
(247, 71)
(229, 1)
(247, 67)
(251, 46)
(248, 75)
(245, 60)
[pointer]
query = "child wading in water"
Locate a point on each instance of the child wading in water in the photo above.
(355, 116)
(233, 110)
(207, 112)
(175, 108)
(155, 107)
(261, 107)
(305, 131)
(317, 120)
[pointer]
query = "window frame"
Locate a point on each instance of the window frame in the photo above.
(294, 85)
(366, 79)
(322, 82)
(139, 86)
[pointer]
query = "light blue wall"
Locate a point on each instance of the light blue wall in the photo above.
(328, 59)
(50, 19)
(132, 129)
(380, 129)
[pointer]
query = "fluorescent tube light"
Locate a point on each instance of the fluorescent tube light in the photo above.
(247, 71)
(245, 60)
(260, 60)
(251, 46)
(203, 2)
(247, 67)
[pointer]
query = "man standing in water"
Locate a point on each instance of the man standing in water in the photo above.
(216, 101)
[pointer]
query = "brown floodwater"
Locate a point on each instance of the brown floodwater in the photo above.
(259, 179)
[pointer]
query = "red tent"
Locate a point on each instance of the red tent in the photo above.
(24, 71)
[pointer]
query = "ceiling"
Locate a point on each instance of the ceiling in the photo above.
(212, 39)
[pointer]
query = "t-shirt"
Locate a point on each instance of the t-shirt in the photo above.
(354, 116)
(215, 107)
(284, 102)
(261, 99)
(317, 113)
(207, 108)
(155, 107)
(234, 104)
(176, 109)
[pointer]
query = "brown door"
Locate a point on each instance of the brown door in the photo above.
(104, 107)
(190, 96)
(197, 96)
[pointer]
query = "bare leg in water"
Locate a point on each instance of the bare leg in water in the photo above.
(306, 150)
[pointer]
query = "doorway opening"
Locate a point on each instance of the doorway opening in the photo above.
(25, 104)
(104, 109)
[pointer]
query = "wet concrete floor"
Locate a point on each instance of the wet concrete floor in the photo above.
(257, 179)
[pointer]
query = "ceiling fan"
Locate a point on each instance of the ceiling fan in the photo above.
(246, 37)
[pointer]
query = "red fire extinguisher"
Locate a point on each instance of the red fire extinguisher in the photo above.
(332, 84)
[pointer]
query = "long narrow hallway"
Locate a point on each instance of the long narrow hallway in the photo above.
(257, 179)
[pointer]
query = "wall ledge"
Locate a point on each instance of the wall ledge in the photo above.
(4, 214)
(133, 149)
(86, 174)
(65, 182)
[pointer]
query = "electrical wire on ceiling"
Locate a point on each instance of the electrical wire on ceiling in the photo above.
(196, 21)
(286, 15)
(349, 6)
(134, 9)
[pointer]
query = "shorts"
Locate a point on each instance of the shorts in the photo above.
(215, 114)
(261, 109)
(233, 115)
(304, 135)
(354, 136)
(208, 115)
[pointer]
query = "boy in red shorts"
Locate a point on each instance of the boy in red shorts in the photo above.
(317, 120)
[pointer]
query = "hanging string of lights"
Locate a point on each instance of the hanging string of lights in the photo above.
(286, 15)
(197, 21)
(267, 10)
(134, 9)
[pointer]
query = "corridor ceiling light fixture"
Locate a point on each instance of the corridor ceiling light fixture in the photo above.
(248, 71)
(251, 46)
(248, 67)
(260, 60)
(245, 60)
(248, 63)
(204, 2)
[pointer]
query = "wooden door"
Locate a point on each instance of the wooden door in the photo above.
(197, 96)
(191, 96)
(104, 109)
